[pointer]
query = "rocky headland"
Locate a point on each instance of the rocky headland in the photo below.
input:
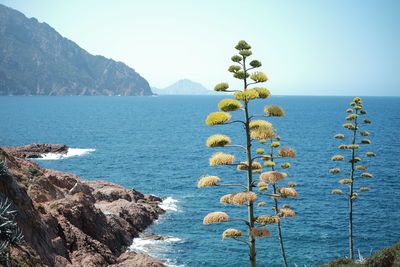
(36, 60)
(69, 221)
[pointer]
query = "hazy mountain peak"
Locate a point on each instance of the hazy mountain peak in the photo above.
(184, 87)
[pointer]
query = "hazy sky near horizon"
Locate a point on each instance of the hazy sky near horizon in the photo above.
(307, 47)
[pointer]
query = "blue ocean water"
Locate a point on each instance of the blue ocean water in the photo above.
(156, 145)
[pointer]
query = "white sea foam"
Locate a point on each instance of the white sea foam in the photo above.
(155, 248)
(72, 152)
(151, 246)
(169, 204)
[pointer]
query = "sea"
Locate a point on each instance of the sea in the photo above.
(157, 146)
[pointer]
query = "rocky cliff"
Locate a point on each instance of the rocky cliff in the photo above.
(36, 60)
(68, 221)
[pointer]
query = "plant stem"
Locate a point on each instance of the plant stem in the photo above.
(250, 207)
(351, 249)
(276, 212)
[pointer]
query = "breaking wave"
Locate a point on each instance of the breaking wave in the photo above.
(169, 204)
(155, 248)
(72, 152)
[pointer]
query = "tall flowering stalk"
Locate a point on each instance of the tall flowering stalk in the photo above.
(271, 179)
(253, 130)
(357, 170)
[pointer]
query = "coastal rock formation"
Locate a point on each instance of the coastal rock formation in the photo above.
(68, 221)
(36, 150)
(36, 60)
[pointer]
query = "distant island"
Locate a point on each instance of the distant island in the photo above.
(36, 60)
(183, 87)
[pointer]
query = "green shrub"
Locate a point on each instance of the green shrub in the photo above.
(10, 233)
(389, 256)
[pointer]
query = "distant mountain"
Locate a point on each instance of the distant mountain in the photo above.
(36, 60)
(183, 87)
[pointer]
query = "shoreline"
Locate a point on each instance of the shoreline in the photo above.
(69, 221)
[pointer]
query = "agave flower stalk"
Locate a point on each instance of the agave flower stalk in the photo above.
(273, 178)
(252, 130)
(356, 171)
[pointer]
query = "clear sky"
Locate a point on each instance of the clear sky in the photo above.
(307, 47)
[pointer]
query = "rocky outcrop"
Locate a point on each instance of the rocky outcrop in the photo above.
(68, 221)
(36, 60)
(36, 150)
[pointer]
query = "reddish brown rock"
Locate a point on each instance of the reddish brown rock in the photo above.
(133, 259)
(68, 221)
(36, 150)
